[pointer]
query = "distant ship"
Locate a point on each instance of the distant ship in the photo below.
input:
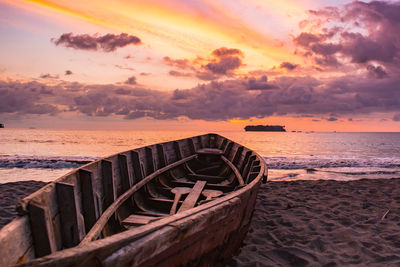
(1, 125)
(265, 128)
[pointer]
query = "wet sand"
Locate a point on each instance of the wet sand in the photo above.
(324, 223)
(303, 223)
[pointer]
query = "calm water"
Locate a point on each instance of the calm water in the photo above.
(47, 154)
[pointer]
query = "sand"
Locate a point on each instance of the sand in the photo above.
(10, 194)
(303, 223)
(324, 223)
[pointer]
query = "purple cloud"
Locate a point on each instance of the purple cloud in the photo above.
(49, 76)
(179, 74)
(374, 38)
(131, 80)
(107, 43)
(288, 66)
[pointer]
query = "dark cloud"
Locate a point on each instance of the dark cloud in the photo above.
(145, 74)
(107, 43)
(396, 117)
(223, 51)
(68, 72)
(224, 65)
(259, 84)
(288, 66)
(49, 76)
(131, 80)
(376, 72)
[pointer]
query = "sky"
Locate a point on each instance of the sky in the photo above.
(200, 64)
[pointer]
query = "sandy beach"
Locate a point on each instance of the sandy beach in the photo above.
(324, 223)
(303, 223)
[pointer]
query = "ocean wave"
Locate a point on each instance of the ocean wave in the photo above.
(43, 162)
(308, 162)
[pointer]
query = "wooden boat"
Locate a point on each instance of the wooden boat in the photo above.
(185, 202)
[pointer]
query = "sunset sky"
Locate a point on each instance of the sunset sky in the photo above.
(200, 65)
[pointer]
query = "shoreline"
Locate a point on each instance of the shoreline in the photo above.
(301, 223)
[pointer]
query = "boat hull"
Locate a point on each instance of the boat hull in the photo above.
(206, 234)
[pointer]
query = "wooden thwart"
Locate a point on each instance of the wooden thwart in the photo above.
(213, 151)
(136, 220)
(193, 196)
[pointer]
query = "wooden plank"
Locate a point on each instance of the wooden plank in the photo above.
(235, 170)
(41, 227)
(137, 169)
(123, 174)
(161, 156)
(192, 147)
(193, 196)
(108, 196)
(87, 199)
(228, 149)
(72, 229)
(107, 182)
(248, 166)
(237, 156)
(178, 152)
(223, 144)
(149, 160)
(210, 151)
(200, 142)
(212, 140)
(245, 161)
(135, 220)
(95, 231)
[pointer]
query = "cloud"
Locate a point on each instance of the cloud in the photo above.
(242, 98)
(131, 80)
(179, 74)
(224, 65)
(332, 119)
(396, 117)
(288, 66)
(223, 62)
(184, 64)
(26, 98)
(259, 84)
(68, 72)
(49, 76)
(223, 52)
(107, 43)
(358, 33)
(376, 72)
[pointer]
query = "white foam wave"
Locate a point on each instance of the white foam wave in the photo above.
(33, 162)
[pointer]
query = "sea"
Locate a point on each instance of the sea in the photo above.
(45, 155)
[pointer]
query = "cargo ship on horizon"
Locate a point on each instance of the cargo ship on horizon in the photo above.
(265, 128)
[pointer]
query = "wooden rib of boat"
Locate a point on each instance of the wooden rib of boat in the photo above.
(185, 202)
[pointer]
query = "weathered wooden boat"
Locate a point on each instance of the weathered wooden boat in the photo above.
(185, 202)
